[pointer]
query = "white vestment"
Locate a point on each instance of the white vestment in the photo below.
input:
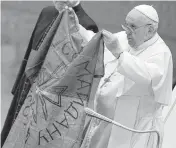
(139, 85)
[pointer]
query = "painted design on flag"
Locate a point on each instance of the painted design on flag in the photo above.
(53, 113)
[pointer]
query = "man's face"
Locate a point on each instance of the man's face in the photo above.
(136, 29)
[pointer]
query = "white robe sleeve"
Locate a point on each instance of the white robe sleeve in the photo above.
(156, 72)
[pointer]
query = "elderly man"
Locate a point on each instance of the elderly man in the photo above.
(136, 86)
(46, 18)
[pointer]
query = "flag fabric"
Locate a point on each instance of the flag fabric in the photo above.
(52, 115)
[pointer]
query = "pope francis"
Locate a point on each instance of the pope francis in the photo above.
(137, 84)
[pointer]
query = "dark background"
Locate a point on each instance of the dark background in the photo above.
(18, 19)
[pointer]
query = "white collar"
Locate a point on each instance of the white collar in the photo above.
(149, 42)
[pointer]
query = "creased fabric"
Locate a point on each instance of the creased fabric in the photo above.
(52, 115)
(133, 92)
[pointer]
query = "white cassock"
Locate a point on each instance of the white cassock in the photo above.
(139, 86)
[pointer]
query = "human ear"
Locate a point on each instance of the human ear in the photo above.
(149, 32)
(151, 29)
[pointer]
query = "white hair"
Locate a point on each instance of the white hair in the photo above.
(149, 14)
(148, 20)
(152, 23)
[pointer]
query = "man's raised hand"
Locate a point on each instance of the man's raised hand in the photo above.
(112, 43)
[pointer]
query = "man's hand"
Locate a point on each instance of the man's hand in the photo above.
(112, 43)
(73, 3)
(67, 4)
(61, 5)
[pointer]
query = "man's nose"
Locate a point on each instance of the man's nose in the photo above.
(128, 31)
